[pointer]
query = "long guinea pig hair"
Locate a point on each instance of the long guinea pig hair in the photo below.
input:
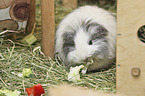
(87, 32)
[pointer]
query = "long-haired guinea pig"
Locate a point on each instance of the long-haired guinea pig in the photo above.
(87, 32)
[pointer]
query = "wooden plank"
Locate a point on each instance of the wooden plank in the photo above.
(67, 90)
(19, 11)
(70, 3)
(130, 50)
(32, 15)
(8, 24)
(5, 3)
(48, 27)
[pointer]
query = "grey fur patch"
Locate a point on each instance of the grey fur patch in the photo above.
(100, 32)
(98, 35)
(96, 30)
(90, 25)
(69, 44)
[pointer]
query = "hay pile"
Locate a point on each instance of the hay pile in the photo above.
(14, 57)
(48, 72)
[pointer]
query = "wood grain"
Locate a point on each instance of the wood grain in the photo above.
(5, 3)
(19, 11)
(48, 27)
(31, 19)
(8, 25)
(130, 50)
(67, 90)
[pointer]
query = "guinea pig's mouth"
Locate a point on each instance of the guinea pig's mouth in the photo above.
(86, 63)
(88, 60)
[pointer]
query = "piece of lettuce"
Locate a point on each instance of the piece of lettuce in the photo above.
(74, 75)
(7, 92)
(26, 72)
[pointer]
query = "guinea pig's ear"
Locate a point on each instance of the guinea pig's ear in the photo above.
(100, 32)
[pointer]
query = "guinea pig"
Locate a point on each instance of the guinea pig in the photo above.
(87, 32)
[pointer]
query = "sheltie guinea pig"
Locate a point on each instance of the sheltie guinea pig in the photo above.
(87, 32)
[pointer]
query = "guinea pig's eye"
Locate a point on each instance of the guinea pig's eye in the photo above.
(90, 42)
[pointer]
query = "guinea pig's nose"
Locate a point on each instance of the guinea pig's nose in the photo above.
(86, 60)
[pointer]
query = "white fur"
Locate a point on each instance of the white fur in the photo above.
(83, 50)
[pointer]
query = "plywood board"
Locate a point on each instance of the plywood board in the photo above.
(130, 50)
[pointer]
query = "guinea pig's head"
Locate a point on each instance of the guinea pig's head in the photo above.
(89, 40)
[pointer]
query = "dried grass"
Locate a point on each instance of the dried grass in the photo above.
(14, 57)
(48, 72)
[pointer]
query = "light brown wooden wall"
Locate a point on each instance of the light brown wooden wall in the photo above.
(130, 50)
